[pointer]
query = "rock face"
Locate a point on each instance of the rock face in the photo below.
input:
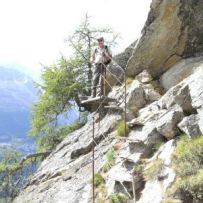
(155, 189)
(180, 71)
(173, 31)
(65, 175)
(68, 168)
(115, 70)
(139, 166)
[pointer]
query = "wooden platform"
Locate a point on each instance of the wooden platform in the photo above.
(114, 107)
(92, 103)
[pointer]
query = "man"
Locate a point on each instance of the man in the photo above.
(101, 57)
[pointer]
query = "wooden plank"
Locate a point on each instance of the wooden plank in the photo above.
(114, 107)
(91, 104)
(94, 100)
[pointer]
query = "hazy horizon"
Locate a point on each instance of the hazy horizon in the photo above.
(33, 32)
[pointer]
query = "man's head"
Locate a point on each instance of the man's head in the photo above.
(100, 42)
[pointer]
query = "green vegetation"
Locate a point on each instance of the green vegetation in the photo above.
(138, 169)
(154, 169)
(58, 92)
(14, 172)
(129, 81)
(98, 179)
(61, 84)
(156, 147)
(101, 193)
(134, 110)
(152, 172)
(109, 160)
(120, 128)
(187, 161)
(54, 135)
(117, 198)
(172, 201)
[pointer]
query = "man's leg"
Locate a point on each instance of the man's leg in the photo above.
(95, 79)
(102, 78)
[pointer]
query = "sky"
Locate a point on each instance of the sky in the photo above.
(32, 32)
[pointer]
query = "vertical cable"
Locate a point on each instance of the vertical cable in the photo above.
(125, 117)
(134, 190)
(93, 191)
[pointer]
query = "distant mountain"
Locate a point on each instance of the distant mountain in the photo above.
(17, 94)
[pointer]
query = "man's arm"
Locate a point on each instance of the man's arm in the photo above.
(110, 53)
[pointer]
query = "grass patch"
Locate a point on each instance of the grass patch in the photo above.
(156, 147)
(98, 179)
(129, 81)
(187, 162)
(172, 201)
(120, 128)
(117, 198)
(134, 110)
(100, 200)
(152, 172)
(109, 160)
(138, 169)
(101, 194)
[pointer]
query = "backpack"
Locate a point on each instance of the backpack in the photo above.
(106, 59)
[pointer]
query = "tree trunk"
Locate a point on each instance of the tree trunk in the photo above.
(89, 77)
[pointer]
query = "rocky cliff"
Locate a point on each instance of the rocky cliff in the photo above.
(173, 31)
(164, 101)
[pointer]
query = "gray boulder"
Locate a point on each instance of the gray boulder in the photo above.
(135, 96)
(157, 50)
(144, 77)
(190, 125)
(180, 71)
(151, 94)
(167, 124)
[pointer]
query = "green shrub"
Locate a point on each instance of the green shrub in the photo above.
(120, 128)
(98, 179)
(110, 160)
(187, 162)
(117, 198)
(152, 172)
(188, 156)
